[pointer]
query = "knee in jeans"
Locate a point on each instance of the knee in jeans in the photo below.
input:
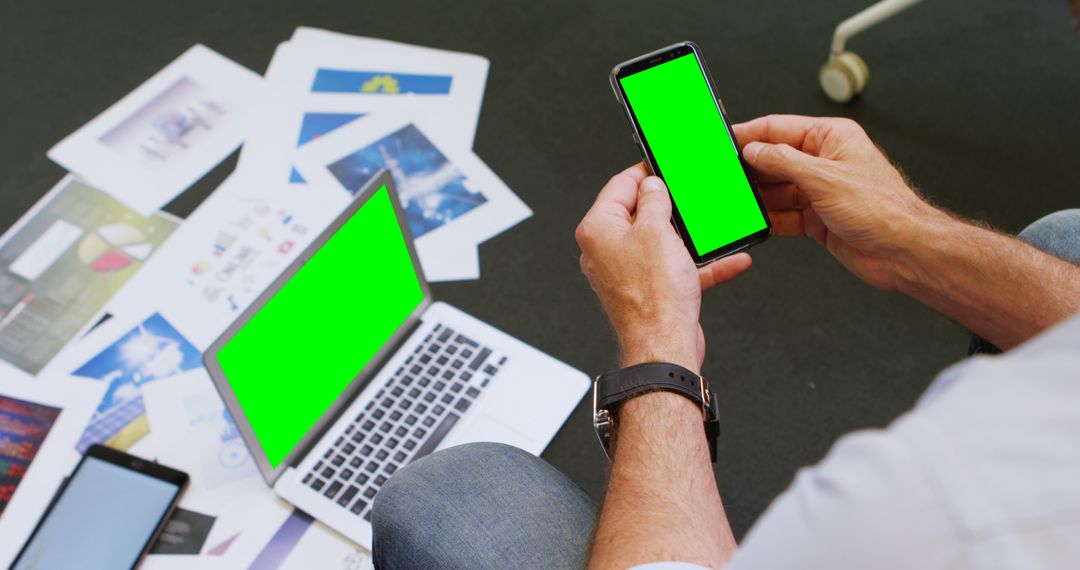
(1057, 233)
(414, 510)
(419, 484)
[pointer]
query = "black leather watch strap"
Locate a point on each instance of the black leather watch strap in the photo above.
(625, 383)
(615, 387)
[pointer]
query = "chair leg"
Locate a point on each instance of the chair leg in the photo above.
(845, 74)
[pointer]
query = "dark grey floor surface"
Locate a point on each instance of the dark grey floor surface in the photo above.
(976, 99)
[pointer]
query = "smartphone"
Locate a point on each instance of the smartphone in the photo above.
(106, 515)
(684, 136)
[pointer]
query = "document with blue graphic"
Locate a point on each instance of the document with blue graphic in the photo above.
(350, 74)
(319, 83)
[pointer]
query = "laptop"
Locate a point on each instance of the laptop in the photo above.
(345, 370)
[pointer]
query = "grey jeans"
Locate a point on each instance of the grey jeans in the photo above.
(480, 506)
(488, 505)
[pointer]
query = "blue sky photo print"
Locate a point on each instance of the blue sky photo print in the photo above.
(431, 188)
(152, 350)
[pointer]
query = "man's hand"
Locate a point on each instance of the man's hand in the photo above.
(825, 179)
(643, 274)
(661, 501)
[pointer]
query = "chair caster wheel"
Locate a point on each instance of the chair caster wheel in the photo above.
(844, 76)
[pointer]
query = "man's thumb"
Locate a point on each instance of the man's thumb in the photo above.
(654, 203)
(778, 160)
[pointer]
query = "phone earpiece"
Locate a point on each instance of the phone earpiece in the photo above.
(844, 76)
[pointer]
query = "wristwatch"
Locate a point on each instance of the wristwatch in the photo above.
(613, 388)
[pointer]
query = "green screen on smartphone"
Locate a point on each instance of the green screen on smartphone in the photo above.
(308, 342)
(685, 132)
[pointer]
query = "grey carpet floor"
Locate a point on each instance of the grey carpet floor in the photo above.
(974, 98)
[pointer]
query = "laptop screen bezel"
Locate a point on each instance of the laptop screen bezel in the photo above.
(269, 473)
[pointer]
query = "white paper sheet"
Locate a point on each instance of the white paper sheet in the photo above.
(277, 537)
(451, 198)
(254, 526)
(375, 75)
(181, 562)
(165, 135)
(199, 437)
(244, 521)
(321, 547)
(274, 131)
(56, 456)
(92, 342)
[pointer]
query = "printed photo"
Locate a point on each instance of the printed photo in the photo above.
(433, 191)
(151, 351)
(60, 267)
(23, 427)
(172, 123)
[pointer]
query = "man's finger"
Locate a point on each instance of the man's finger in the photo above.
(723, 270)
(779, 196)
(764, 177)
(619, 196)
(788, 223)
(776, 129)
(638, 172)
(654, 202)
(616, 188)
(784, 162)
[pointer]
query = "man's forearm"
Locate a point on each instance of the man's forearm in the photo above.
(997, 286)
(662, 502)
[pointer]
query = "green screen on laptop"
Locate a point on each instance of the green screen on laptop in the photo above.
(303, 348)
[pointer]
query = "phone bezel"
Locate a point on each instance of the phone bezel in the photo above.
(121, 459)
(659, 57)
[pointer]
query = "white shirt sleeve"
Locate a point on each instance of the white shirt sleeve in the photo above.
(982, 474)
(867, 505)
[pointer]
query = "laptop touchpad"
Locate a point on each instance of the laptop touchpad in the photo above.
(489, 428)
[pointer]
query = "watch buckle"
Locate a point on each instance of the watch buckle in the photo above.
(706, 396)
(602, 421)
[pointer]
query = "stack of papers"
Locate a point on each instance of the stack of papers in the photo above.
(106, 302)
(336, 109)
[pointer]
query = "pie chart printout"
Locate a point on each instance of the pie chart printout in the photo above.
(114, 247)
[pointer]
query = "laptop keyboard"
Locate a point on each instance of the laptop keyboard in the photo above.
(407, 418)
